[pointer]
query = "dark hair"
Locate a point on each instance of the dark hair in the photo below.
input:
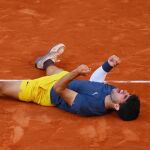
(130, 109)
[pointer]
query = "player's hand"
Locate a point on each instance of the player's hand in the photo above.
(114, 60)
(83, 69)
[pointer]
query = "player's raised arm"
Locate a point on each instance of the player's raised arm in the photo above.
(99, 75)
(61, 85)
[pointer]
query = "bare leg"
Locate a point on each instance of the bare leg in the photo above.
(10, 88)
(52, 69)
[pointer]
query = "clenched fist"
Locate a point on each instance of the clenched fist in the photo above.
(83, 69)
(114, 60)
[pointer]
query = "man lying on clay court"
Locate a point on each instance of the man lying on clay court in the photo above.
(58, 88)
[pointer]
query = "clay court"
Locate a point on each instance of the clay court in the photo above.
(92, 30)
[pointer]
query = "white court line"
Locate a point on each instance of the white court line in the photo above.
(129, 81)
(108, 81)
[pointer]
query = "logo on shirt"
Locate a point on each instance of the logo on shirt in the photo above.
(95, 93)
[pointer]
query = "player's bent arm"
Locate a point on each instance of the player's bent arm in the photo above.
(68, 95)
(61, 85)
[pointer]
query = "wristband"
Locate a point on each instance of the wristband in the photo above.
(106, 66)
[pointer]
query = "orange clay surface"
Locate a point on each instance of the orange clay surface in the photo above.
(92, 30)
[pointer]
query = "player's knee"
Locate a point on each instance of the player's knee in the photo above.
(3, 87)
(1, 84)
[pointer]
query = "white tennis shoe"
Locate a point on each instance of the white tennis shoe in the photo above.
(53, 53)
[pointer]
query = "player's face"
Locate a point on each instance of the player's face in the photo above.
(119, 96)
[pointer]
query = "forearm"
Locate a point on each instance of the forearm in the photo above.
(61, 84)
(99, 75)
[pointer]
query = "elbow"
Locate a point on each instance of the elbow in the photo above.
(58, 89)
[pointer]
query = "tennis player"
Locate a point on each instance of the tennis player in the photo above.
(60, 88)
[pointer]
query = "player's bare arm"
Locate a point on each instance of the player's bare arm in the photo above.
(61, 85)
